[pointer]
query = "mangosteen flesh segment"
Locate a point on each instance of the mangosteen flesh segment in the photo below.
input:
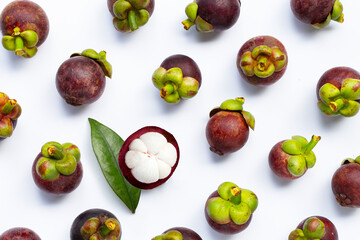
(10, 111)
(20, 233)
(212, 15)
(129, 15)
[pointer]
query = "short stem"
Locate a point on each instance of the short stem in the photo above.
(19, 46)
(262, 63)
(132, 20)
(235, 196)
(314, 140)
(16, 31)
(167, 90)
(8, 106)
(187, 24)
(337, 104)
(107, 227)
(55, 152)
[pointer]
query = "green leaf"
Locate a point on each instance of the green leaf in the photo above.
(106, 145)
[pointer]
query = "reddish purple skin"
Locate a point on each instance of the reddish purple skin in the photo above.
(19, 233)
(229, 228)
(149, 8)
(60, 186)
(345, 185)
(221, 14)
(249, 46)
(83, 217)
(125, 148)
(187, 233)
(330, 229)
(187, 65)
(26, 15)
(312, 11)
(336, 76)
(278, 160)
(226, 132)
(80, 80)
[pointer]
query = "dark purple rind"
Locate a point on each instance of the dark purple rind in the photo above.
(249, 46)
(125, 148)
(80, 80)
(187, 233)
(330, 229)
(226, 132)
(229, 228)
(345, 185)
(63, 184)
(84, 216)
(187, 65)
(221, 14)
(336, 76)
(278, 160)
(26, 15)
(19, 233)
(312, 11)
(149, 8)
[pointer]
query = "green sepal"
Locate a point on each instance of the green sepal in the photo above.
(73, 149)
(203, 26)
(233, 104)
(172, 235)
(173, 75)
(261, 50)
(264, 73)
(50, 172)
(278, 58)
(121, 8)
(326, 109)
(337, 12)
(6, 127)
(188, 88)
(191, 11)
(350, 89)
(218, 210)
(29, 52)
(157, 77)
(350, 109)
(121, 25)
(8, 42)
(172, 98)
(45, 147)
(224, 190)
(67, 165)
(328, 92)
(303, 141)
(89, 227)
(247, 64)
(30, 38)
(240, 213)
(139, 4)
(90, 53)
(106, 67)
(292, 147)
(317, 229)
(142, 17)
(249, 119)
(296, 165)
(324, 23)
(250, 199)
(297, 234)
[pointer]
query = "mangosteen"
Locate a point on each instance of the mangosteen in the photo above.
(178, 233)
(345, 183)
(57, 168)
(81, 79)
(228, 128)
(262, 60)
(96, 224)
(315, 227)
(19, 233)
(24, 26)
(10, 111)
(338, 92)
(318, 13)
(178, 77)
(129, 15)
(290, 159)
(229, 210)
(212, 15)
(149, 157)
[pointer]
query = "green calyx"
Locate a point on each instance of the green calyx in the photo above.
(301, 155)
(22, 43)
(313, 229)
(130, 14)
(202, 26)
(10, 110)
(343, 101)
(100, 58)
(351, 160)
(57, 159)
(101, 229)
(170, 235)
(336, 14)
(173, 85)
(233, 204)
(262, 61)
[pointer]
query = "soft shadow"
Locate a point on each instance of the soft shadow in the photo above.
(280, 182)
(329, 121)
(72, 110)
(307, 29)
(48, 198)
(342, 211)
(202, 37)
(249, 88)
(170, 108)
(217, 158)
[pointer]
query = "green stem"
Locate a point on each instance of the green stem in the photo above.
(55, 152)
(107, 228)
(167, 90)
(132, 20)
(19, 46)
(314, 140)
(337, 104)
(16, 31)
(8, 106)
(235, 196)
(187, 24)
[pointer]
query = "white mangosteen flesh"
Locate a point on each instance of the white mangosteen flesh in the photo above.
(150, 157)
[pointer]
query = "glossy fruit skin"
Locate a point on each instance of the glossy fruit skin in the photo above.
(149, 8)
(187, 233)
(249, 46)
(125, 148)
(26, 15)
(330, 229)
(84, 216)
(19, 233)
(80, 80)
(345, 185)
(312, 11)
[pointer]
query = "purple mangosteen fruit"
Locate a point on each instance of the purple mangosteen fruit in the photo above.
(149, 157)
(57, 168)
(338, 92)
(19, 233)
(315, 227)
(81, 79)
(178, 233)
(229, 210)
(318, 13)
(10, 111)
(95, 224)
(129, 15)
(290, 159)
(262, 60)
(212, 15)
(178, 77)
(228, 128)
(345, 183)
(24, 26)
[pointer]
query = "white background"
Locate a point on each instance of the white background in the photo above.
(130, 102)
